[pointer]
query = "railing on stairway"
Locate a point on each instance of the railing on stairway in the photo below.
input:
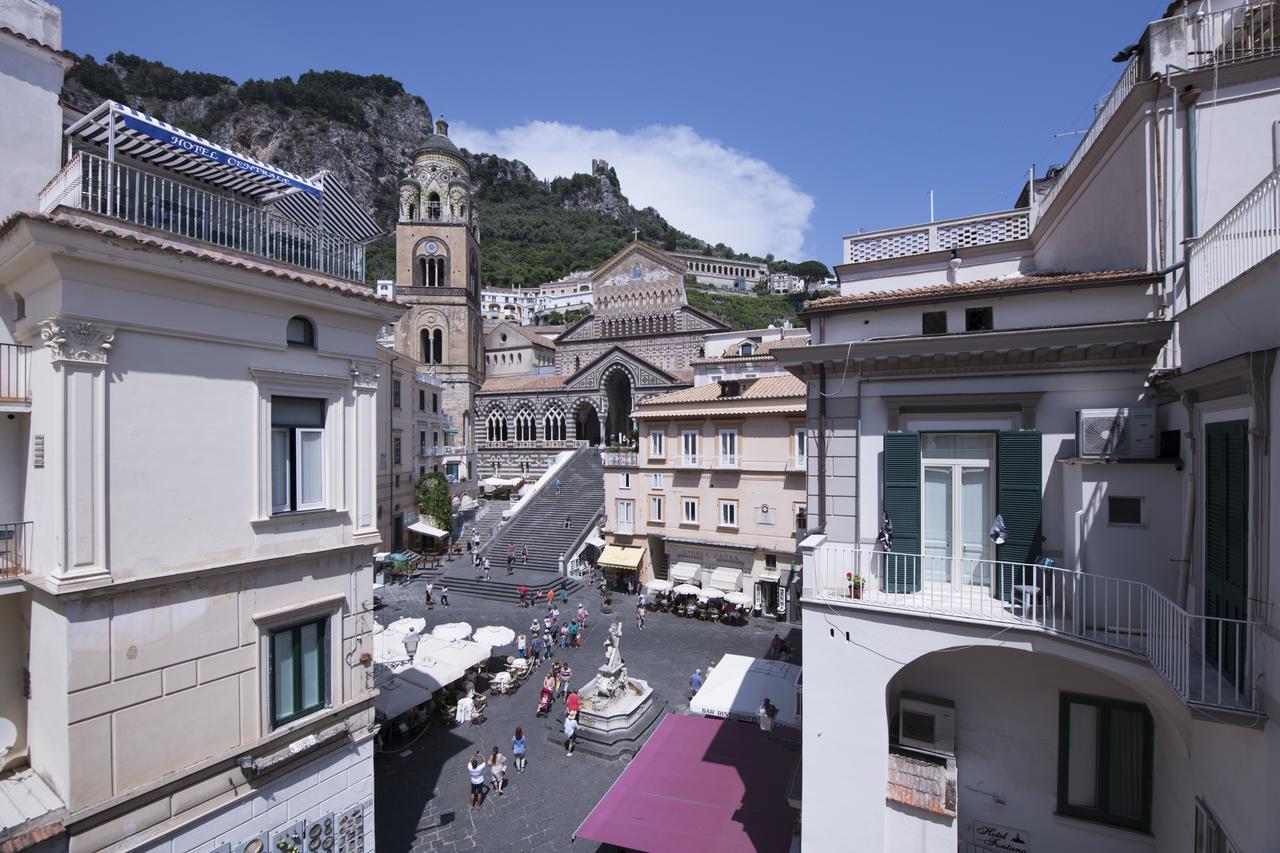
(1207, 660)
(576, 546)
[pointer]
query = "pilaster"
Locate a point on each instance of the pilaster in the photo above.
(364, 382)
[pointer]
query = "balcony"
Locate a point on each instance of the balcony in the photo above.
(1207, 661)
(729, 463)
(689, 460)
(1246, 236)
(1233, 35)
(984, 230)
(119, 191)
(15, 544)
(617, 459)
(15, 376)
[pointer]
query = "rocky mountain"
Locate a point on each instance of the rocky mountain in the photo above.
(363, 129)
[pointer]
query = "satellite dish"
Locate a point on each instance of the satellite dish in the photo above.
(8, 736)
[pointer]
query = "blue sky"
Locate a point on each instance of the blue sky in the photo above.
(772, 127)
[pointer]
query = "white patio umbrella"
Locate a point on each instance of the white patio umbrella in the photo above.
(407, 624)
(686, 589)
(658, 585)
(741, 599)
(494, 635)
(710, 594)
(452, 631)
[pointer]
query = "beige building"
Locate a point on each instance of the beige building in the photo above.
(715, 492)
(412, 431)
(514, 350)
(724, 273)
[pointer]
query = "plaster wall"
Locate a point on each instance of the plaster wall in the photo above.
(15, 618)
(30, 83)
(915, 272)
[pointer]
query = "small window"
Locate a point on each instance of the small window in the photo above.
(934, 323)
(301, 333)
(771, 561)
(728, 513)
(1104, 761)
(624, 479)
(299, 671)
(657, 445)
(978, 320)
(1124, 512)
(658, 479)
(689, 510)
(655, 508)
(395, 451)
(297, 454)
(395, 394)
(422, 400)
(747, 349)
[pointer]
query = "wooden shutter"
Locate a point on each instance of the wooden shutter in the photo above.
(1019, 499)
(901, 478)
(1226, 558)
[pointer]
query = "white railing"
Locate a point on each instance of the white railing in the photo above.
(1105, 110)
(1232, 35)
(15, 373)
(1248, 234)
(730, 462)
(617, 459)
(93, 183)
(1206, 660)
(948, 234)
(15, 547)
(688, 460)
(798, 463)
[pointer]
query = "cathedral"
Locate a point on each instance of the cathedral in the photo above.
(579, 387)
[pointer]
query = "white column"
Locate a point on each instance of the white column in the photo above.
(364, 381)
(78, 353)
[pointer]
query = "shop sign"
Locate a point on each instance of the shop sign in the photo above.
(993, 836)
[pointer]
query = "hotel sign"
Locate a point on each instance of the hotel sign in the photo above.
(993, 836)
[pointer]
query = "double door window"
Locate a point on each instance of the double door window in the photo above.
(958, 505)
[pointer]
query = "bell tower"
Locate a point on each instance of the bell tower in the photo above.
(438, 274)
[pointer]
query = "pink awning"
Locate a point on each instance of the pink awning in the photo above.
(703, 786)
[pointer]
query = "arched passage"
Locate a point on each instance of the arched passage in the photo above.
(586, 424)
(617, 390)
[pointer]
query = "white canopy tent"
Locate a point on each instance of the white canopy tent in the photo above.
(438, 663)
(427, 530)
(684, 571)
(737, 685)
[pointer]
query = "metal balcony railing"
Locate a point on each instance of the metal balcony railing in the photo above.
(1246, 236)
(1233, 35)
(15, 545)
(1206, 660)
(140, 197)
(15, 373)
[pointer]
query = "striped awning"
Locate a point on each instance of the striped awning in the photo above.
(620, 557)
(320, 201)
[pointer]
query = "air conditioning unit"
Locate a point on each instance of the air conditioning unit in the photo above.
(927, 723)
(1117, 433)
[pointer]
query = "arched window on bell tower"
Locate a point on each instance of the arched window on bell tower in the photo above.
(420, 273)
(433, 206)
(413, 212)
(424, 346)
(437, 346)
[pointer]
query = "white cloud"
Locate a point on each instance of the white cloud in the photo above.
(701, 186)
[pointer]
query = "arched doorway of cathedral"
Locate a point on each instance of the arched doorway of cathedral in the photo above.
(617, 390)
(586, 423)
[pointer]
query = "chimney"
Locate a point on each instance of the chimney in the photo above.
(442, 127)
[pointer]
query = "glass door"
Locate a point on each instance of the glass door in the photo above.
(957, 506)
(937, 544)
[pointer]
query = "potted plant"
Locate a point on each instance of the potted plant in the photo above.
(856, 583)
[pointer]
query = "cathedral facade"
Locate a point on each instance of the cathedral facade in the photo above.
(639, 343)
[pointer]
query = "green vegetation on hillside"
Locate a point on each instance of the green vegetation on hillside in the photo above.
(756, 311)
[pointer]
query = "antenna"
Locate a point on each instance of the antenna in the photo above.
(931, 205)
(1069, 133)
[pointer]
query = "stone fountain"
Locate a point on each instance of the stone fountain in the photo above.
(616, 709)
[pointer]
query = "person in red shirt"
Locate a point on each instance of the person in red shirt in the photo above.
(572, 703)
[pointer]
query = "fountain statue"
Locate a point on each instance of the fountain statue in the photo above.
(616, 709)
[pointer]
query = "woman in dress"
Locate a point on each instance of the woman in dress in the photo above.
(498, 770)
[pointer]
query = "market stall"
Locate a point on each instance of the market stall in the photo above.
(620, 564)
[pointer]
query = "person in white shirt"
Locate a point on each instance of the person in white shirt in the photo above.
(475, 772)
(570, 734)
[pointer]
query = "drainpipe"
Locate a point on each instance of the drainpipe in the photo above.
(1188, 506)
(822, 446)
(1188, 97)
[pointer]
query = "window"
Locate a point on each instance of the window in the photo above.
(689, 446)
(747, 349)
(728, 513)
(422, 400)
(771, 561)
(297, 454)
(422, 442)
(799, 449)
(553, 425)
(729, 448)
(1211, 837)
(978, 320)
(300, 333)
(299, 671)
(496, 427)
(395, 394)
(655, 508)
(626, 516)
(1104, 760)
(433, 206)
(689, 511)
(435, 438)
(802, 517)
(657, 445)
(658, 480)
(395, 450)
(624, 479)
(524, 426)
(19, 307)
(934, 323)
(435, 402)
(1124, 512)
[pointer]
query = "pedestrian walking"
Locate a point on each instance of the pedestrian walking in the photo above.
(572, 704)
(518, 749)
(486, 568)
(537, 648)
(582, 615)
(568, 522)
(524, 554)
(556, 486)
(566, 675)
(570, 734)
(695, 682)
(564, 596)
(511, 549)
(551, 596)
(444, 596)
(573, 633)
(430, 604)
(498, 770)
(775, 646)
(564, 636)
(640, 616)
(522, 645)
(475, 772)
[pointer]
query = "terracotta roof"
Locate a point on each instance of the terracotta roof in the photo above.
(535, 338)
(762, 350)
(1034, 281)
(504, 384)
(37, 43)
(711, 410)
(151, 240)
(764, 388)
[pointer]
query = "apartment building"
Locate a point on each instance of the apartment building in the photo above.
(189, 394)
(724, 273)
(1040, 489)
(715, 493)
(744, 354)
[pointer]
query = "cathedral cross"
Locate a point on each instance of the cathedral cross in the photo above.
(635, 233)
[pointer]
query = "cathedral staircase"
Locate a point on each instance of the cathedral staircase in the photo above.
(541, 525)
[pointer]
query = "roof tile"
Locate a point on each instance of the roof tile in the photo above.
(988, 285)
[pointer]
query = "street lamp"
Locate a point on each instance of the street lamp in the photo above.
(411, 641)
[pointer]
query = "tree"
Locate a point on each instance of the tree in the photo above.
(811, 271)
(434, 500)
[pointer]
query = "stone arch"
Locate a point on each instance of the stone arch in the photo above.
(586, 421)
(617, 386)
(496, 424)
(553, 423)
(525, 422)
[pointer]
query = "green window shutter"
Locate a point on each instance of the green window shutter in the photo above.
(1226, 528)
(1019, 499)
(901, 479)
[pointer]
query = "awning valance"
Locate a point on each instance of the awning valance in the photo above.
(621, 557)
(737, 685)
(726, 579)
(427, 530)
(684, 571)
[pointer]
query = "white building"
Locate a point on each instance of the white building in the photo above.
(1059, 368)
(187, 496)
(529, 305)
(744, 354)
(724, 273)
(782, 283)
